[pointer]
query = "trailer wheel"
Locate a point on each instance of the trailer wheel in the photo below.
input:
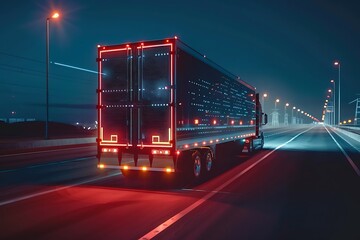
(208, 161)
(196, 159)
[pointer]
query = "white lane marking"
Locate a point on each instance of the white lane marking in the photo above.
(45, 151)
(277, 133)
(353, 165)
(187, 210)
(55, 189)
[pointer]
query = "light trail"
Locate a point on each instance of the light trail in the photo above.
(77, 68)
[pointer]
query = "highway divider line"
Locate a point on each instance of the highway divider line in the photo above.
(353, 165)
(14, 200)
(163, 226)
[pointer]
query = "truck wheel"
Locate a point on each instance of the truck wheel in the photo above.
(208, 161)
(196, 159)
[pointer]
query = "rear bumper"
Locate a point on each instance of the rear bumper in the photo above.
(140, 162)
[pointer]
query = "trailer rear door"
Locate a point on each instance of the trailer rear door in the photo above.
(155, 94)
(135, 95)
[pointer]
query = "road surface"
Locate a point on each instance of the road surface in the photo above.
(305, 184)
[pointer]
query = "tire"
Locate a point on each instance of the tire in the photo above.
(208, 161)
(196, 165)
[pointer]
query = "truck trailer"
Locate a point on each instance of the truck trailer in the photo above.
(164, 107)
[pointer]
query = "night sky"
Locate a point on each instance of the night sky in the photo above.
(284, 48)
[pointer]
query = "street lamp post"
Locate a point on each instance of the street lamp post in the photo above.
(277, 100)
(337, 63)
(55, 15)
(286, 119)
(292, 115)
(263, 101)
(334, 100)
(330, 109)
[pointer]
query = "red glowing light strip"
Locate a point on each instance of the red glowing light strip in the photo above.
(142, 168)
(153, 145)
(171, 83)
(100, 80)
(157, 45)
(172, 121)
(115, 144)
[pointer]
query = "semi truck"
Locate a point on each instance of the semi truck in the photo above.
(165, 107)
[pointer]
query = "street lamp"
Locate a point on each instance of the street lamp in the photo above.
(334, 100)
(286, 119)
(277, 100)
(54, 16)
(263, 101)
(292, 115)
(286, 105)
(337, 63)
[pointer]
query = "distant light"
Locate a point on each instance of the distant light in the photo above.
(55, 15)
(101, 166)
(329, 90)
(287, 104)
(265, 95)
(336, 63)
(294, 107)
(277, 100)
(332, 81)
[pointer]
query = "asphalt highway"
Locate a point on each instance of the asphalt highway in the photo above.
(304, 184)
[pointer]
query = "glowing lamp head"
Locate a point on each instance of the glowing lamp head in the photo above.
(287, 104)
(294, 107)
(332, 81)
(265, 95)
(277, 100)
(55, 15)
(336, 63)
